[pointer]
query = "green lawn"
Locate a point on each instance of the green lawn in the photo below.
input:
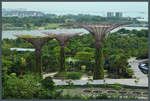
(53, 25)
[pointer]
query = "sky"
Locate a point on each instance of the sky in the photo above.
(85, 6)
(132, 9)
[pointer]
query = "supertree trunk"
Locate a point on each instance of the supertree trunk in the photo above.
(99, 31)
(62, 59)
(37, 42)
(38, 53)
(99, 64)
(62, 38)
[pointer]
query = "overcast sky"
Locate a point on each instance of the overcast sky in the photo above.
(76, 6)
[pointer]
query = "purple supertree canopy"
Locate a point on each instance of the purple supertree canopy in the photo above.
(99, 30)
(62, 37)
(36, 41)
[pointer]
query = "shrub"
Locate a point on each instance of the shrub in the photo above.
(69, 75)
(68, 96)
(85, 97)
(48, 94)
(129, 72)
(102, 96)
(83, 68)
(48, 83)
(61, 75)
(16, 88)
(117, 86)
(28, 87)
(74, 75)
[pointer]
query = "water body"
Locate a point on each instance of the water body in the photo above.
(11, 33)
(143, 15)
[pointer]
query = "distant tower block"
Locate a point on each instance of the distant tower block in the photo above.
(110, 14)
(119, 14)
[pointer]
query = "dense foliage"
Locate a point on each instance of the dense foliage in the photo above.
(27, 87)
(117, 49)
(18, 80)
(55, 21)
(74, 75)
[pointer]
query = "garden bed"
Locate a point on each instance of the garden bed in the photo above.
(123, 92)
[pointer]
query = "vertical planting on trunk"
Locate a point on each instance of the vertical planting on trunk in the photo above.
(38, 61)
(62, 60)
(99, 64)
(37, 42)
(99, 31)
(62, 38)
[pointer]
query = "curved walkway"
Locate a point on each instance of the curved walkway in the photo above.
(141, 79)
(134, 66)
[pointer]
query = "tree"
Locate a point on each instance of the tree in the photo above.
(84, 58)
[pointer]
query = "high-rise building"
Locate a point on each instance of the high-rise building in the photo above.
(110, 14)
(118, 14)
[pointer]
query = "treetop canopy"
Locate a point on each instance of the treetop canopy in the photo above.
(36, 37)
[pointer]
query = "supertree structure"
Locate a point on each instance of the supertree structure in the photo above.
(99, 31)
(62, 38)
(37, 42)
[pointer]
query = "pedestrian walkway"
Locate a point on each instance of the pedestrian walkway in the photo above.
(141, 79)
(129, 82)
(134, 66)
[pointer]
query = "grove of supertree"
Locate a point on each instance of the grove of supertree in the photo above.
(99, 31)
(62, 38)
(37, 42)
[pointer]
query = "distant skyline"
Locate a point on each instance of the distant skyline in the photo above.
(133, 9)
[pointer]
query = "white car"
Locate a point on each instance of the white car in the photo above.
(143, 64)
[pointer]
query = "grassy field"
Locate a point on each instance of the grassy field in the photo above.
(53, 25)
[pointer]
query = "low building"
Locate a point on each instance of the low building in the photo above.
(22, 13)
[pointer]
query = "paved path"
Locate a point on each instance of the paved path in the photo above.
(134, 66)
(143, 79)
(130, 82)
(49, 74)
